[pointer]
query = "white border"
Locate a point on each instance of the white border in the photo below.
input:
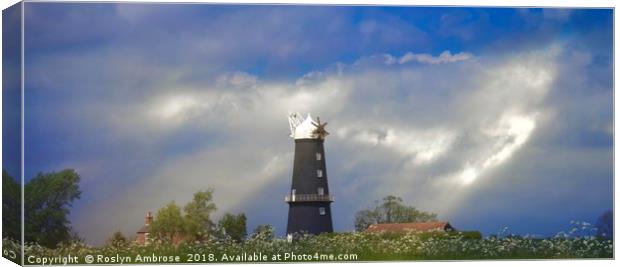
(487, 3)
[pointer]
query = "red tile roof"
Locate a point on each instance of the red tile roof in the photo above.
(144, 229)
(403, 227)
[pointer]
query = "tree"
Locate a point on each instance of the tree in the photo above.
(233, 226)
(263, 232)
(11, 207)
(605, 225)
(391, 210)
(198, 224)
(48, 197)
(364, 218)
(117, 240)
(168, 225)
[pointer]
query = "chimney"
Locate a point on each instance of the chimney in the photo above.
(149, 218)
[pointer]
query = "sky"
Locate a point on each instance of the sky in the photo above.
(489, 117)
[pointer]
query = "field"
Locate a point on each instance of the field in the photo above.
(332, 247)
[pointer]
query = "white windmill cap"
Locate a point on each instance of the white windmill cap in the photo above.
(306, 129)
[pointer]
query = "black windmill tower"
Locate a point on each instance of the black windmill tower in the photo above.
(309, 199)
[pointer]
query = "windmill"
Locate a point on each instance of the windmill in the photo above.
(309, 199)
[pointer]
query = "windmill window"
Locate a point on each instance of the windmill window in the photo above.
(319, 173)
(318, 156)
(322, 211)
(320, 191)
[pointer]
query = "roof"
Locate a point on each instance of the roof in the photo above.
(302, 129)
(144, 229)
(402, 227)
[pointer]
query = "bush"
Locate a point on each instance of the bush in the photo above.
(367, 247)
(471, 234)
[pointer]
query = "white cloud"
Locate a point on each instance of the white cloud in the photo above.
(444, 57)
(176, 108)
(498, 101)
(430, 131)
(423, 146)
(505, 138)
(238, 79)
(507, 107)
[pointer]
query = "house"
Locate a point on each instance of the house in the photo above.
(405, 227)
(142, 236)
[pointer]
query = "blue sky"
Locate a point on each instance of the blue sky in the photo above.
(491, 117)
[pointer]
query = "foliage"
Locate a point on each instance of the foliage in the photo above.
(11, 207)
(233, 226)
(368, 247)
(440, 234)
(263, 232)
(605, 225)
(197, 218)
(171, 226)
(391, 210)
(117, 240)
(48, 197)
(168, 225)
(471, 234)
(11, 250)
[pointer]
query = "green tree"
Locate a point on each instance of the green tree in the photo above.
(168, 223)
(117, 240)
(198, 224)
(391, 210)
(364, 218)
(233, 226)
(263, 232)
(11, 207)
(48, 197)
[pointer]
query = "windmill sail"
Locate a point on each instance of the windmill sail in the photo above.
(294, 119)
